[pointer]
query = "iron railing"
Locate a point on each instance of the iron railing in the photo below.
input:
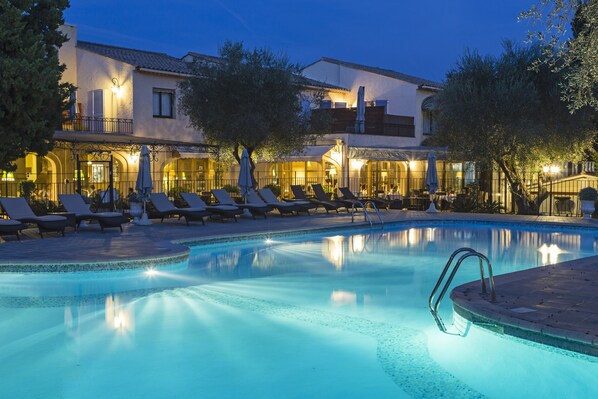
(93, 124)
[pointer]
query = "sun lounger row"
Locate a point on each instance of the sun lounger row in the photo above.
(257, 203)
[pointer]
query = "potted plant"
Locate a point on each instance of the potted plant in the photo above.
(588, 197)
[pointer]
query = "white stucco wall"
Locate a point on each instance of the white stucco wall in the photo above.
(403, 98)
(144, 123)
(96, 72)
(67, 54)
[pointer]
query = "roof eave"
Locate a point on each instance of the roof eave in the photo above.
(161, 72)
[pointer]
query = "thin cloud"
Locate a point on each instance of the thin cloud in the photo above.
(233, 14)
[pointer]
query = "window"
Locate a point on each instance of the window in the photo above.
(326, 104)
(340, 104)
(163, 103)
(429, 122)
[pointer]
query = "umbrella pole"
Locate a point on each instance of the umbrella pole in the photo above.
(144, 221)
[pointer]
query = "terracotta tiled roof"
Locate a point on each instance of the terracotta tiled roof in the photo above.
(384, 72)
(138, 58)
(164, 62)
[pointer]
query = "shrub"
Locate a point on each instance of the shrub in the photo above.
(27, 187)
(42, 207)
(463, 203)
(175, 192)
(588, 194)
(229, 188)
(276, 190)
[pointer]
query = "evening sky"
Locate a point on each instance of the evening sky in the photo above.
(421, 38)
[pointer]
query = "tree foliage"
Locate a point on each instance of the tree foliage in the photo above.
(568, 29)
(31, 96)
(498, 111)
(250, 99)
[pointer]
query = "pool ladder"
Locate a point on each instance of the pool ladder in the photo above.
(465, 253)
(365, 212)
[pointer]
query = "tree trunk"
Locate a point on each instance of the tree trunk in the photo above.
(525, 203)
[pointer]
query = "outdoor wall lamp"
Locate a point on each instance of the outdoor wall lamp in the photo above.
(116, 89)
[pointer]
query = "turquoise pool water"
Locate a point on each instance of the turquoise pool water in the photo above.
(329, 316)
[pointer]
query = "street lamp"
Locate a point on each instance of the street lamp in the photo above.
(551, 171)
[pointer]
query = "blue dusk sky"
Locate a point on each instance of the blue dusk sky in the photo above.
(421, 38)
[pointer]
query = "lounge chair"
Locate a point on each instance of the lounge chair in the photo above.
(270, 199)
(300, 195)
(321, 196)
(224, 211)
(9, 226)
(347, 195)
(19, 209)
(282, 208)
(166, 208)
(224, 199)
(75, 203)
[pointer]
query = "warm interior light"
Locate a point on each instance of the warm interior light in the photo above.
(133, 158)
(356, 164)
(412, 164)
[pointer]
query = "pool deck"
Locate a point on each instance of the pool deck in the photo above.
(555, 305)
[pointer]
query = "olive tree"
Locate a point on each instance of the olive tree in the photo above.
(249, 99)
(499, 111)
(568, 29)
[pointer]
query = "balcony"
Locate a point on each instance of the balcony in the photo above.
(93, 124)
(377, 122)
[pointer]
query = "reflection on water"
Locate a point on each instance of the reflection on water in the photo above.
(511, 249)
(348, 254)
(550, 253)
(119, 314)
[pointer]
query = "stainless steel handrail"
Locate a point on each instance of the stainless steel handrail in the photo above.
(375, 209)
(468, 252)
(365, 212)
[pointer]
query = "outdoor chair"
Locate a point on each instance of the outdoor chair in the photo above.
(256, 209)
(270, 199)
(8, 227)
(19, 209)
(166, 208)
(224, 211)
(347, 195)
(75, 203)
(282, 208)
(322, 197)
(300, 195)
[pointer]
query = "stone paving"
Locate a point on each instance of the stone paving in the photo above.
(554, 304)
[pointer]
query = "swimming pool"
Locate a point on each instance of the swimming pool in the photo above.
(334, 315)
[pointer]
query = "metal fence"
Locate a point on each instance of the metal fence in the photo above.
(560, 196)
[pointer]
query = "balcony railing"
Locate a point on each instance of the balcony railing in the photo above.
(93, 124)
(377, 122)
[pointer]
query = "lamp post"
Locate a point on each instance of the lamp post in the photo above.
(551, 171)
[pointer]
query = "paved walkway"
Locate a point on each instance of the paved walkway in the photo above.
(554, 304)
